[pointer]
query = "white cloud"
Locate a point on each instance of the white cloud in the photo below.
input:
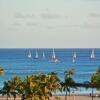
(94, 15)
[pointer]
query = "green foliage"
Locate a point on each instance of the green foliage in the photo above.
(98, 71)
(95, 79)
(34, 87)
(69, 82)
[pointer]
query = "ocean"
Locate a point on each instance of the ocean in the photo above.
(17, 62)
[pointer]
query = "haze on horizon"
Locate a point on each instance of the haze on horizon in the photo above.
(49, 23)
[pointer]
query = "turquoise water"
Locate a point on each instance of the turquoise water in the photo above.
(16, 61)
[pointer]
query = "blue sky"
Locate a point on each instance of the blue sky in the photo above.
(49, 23)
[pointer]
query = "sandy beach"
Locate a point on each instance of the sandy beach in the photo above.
(76, 97)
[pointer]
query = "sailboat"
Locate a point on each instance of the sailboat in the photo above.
(43, 56)
(29, 54)
(74, 57)
(54, 59)
(92, 54)
(36, 56)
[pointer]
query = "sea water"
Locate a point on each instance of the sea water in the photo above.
(16, 62)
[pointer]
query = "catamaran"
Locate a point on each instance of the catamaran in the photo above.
(36, 56)
(92, 54)
(54, 59)
(29, 54)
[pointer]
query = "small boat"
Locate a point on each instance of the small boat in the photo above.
(29, 54)
(36, 56)
(92, 54)
(1, 71)
(54, 59)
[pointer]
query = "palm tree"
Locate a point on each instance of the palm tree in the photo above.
(43, 85)
(47, 84)
(10, 87)
(25, 88)
(7, 88)
(32, 88)
(95, 80)
(53, 82)
(69, 82)
(21, 89)
(28, 86)
(15, 82)
(98, 78)
(98, 70)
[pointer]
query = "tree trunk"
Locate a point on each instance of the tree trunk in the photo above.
(69, 91)
(66, 95)
(32, 98)
(22, 97)
(69, 94)
(92, 93)
(14, 98)
(7, 97)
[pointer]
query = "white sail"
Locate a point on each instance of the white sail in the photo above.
(29, 54)
(74, 55)
(43, 55)
(36, 56)
(54, 59)
(53, 54)
(92, 54)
